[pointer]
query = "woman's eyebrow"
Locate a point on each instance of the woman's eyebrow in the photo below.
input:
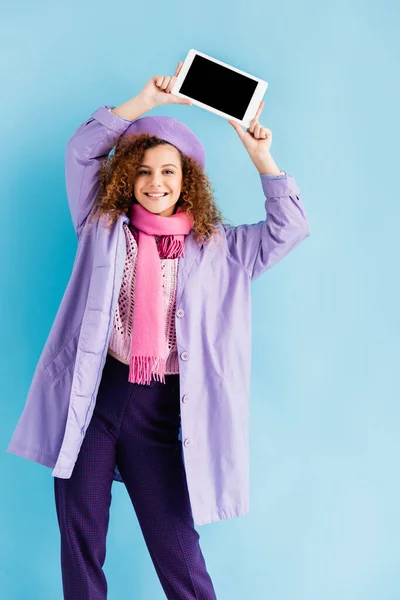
(167, 165)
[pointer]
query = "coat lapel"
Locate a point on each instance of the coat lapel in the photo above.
(191, 251)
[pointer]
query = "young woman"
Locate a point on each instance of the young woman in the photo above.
(145, 375)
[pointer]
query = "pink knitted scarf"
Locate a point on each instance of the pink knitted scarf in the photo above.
(149, 344)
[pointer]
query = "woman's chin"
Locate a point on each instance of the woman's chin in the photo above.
(158, 208)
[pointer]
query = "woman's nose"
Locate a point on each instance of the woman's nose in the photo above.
(156, 180)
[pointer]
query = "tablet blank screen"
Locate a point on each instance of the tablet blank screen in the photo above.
(218, 86)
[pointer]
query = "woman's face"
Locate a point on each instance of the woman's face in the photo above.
(160, 172)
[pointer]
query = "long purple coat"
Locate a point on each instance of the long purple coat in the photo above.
(213, 330)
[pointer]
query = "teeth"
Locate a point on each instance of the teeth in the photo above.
(156, 195)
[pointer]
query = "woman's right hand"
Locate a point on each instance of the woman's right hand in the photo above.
(157, 90)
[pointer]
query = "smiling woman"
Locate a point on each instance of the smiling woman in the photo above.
(143, 164)
(158, 185)
(180, 314)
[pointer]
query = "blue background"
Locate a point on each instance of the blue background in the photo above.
(324, 426)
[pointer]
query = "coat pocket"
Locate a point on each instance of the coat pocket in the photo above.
(63, 359)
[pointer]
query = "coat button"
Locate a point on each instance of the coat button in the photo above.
(187, 442)
(180, 312)
(185, 356)
(185, 398)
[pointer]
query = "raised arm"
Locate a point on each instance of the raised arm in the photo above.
(93, 140)
(88, 146)
(259, 246)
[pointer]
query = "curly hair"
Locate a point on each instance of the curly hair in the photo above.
(118, 174)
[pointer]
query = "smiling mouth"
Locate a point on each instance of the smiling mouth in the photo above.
(156, 196)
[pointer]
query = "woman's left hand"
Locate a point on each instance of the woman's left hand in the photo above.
(256, 139)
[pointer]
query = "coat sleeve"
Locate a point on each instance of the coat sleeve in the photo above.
(89, 145)
(260, 246)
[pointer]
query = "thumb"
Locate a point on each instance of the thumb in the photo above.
(238, 128)
(179, 100)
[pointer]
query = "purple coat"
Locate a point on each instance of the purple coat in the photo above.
(213, 331)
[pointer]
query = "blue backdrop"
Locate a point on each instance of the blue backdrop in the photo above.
(324, 408)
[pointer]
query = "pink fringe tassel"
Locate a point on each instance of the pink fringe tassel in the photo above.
(141, 367)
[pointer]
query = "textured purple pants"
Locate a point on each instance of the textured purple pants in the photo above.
(137, 427)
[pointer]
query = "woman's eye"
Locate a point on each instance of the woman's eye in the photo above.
(144, 172)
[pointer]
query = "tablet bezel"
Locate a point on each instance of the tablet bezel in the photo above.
(253, 104)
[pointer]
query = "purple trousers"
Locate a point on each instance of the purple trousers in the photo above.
(136, 427)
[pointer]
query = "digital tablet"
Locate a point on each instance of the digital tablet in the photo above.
(219, 87)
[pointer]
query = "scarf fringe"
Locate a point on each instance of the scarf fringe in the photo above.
(141, 368)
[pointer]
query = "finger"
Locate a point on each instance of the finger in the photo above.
(253, 123)
(257, 129)
(178, 68)
(256, 117)
(160, 81)
(258, 113)
(165, 83)
(178, 100)
(171, 84)
(182, 100)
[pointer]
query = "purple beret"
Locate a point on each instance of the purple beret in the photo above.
(173, 131)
